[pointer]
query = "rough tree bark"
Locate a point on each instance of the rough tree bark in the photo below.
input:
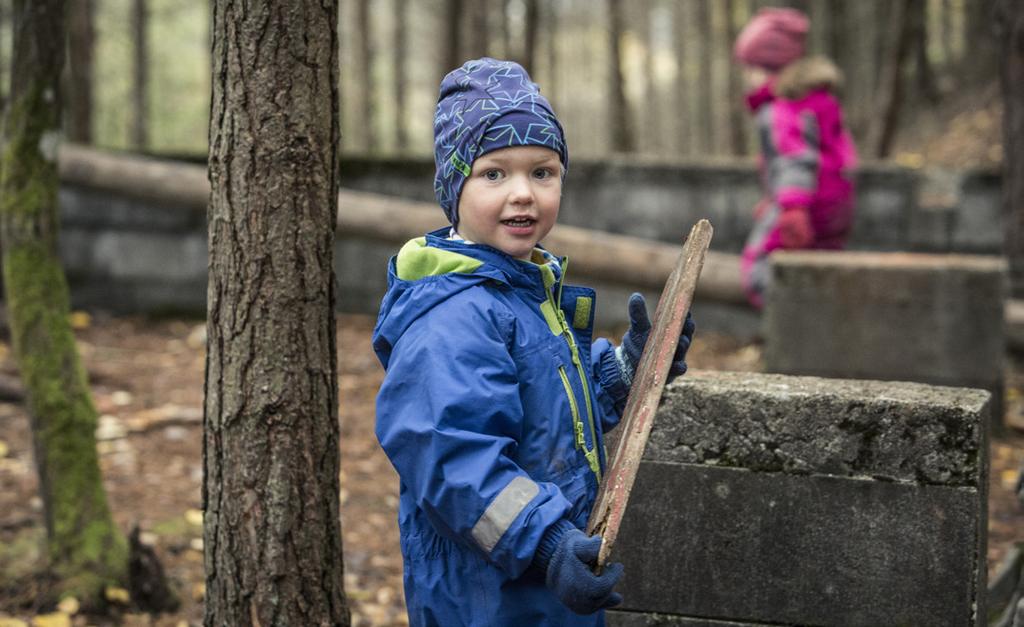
(623, 134)
(86, 550)
(272, 534)
(140, 75)
(81, 38)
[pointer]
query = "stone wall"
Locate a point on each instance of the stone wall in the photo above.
(771, 500)
(128, 255)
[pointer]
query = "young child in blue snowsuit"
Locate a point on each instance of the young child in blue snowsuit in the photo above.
(496, 398)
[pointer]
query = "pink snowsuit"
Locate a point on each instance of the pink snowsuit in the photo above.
(805, 165)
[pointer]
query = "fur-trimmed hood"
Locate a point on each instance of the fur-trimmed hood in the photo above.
(808, 74)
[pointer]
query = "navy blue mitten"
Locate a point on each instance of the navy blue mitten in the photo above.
(628, 353)
(567, 556)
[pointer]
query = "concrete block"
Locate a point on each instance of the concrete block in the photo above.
(767, 499)
(895, 316)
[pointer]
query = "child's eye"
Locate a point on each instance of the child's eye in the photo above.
(543, 173)
(492, 174)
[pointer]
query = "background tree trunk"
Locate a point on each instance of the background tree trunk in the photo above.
(367, 53)
(479, 29)
(1011, 73)
(683, 97)
(272, 535)
(530, 25)
(706, 94)
(623, 135)
(401, 77)
(140, 75)
(737, 112)
(453, 21)
(86, 550)
(890, 91)
(81, 40)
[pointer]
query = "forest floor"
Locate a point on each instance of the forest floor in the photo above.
(147, 381)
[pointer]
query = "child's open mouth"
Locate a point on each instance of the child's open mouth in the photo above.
(519, 222)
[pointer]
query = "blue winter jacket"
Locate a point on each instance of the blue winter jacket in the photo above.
(492, 410)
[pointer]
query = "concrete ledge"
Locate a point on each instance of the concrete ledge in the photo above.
(935, 319)
(766, 499)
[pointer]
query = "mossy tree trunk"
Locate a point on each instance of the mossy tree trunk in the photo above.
(272, 533)
(86, 549)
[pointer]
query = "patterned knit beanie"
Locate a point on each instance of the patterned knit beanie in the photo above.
(486, 105)
(772, 39)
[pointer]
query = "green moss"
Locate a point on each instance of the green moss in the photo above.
(86, 549)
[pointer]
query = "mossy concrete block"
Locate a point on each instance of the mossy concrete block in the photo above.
(767, 499)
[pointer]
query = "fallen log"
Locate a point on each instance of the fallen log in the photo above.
(616, 259)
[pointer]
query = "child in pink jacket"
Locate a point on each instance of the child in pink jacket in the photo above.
(807, 155)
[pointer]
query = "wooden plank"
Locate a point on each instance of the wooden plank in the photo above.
(648, 383)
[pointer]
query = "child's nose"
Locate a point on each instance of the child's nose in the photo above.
(522, 190)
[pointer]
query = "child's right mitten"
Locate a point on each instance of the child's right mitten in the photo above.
(567, 557)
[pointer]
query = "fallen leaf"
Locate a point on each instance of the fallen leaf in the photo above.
(4, 449)
(69, 605)
(12, 622)
(194, 517)
(80, 320)
(57, 619)
(117, 595)
(1009, 478)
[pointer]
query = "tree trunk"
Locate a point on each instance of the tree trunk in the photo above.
(623, 134)
(1011, 73)
(683, 112)
(401, 63)
(737, 112)
(479, 39)
(946, 34)
(140, 76)
(530, 25)
(85, 548)
(891, 79)
(982, 44)
(271, 531)
(81, 38)
(705, 80)
(365, 72)
(924, 72)
(551, 36)
(453, 21)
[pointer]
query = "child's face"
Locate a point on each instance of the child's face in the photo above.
(510, 200)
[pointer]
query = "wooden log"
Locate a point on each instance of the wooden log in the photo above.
(645, 393)
(596, 256)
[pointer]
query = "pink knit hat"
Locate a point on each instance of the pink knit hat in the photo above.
(772, 39)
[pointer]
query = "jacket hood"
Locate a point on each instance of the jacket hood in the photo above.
(431, 269)
(803, 76)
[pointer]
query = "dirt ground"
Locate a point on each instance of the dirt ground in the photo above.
(147, 381)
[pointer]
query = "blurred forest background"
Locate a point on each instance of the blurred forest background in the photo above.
(921, 83)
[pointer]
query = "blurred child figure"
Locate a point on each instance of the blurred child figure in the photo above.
(497, 397)
(807, 155)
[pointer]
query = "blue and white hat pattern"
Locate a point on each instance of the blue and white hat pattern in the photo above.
(485, 105)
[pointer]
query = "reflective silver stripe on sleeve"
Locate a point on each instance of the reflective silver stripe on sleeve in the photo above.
(495, 520)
